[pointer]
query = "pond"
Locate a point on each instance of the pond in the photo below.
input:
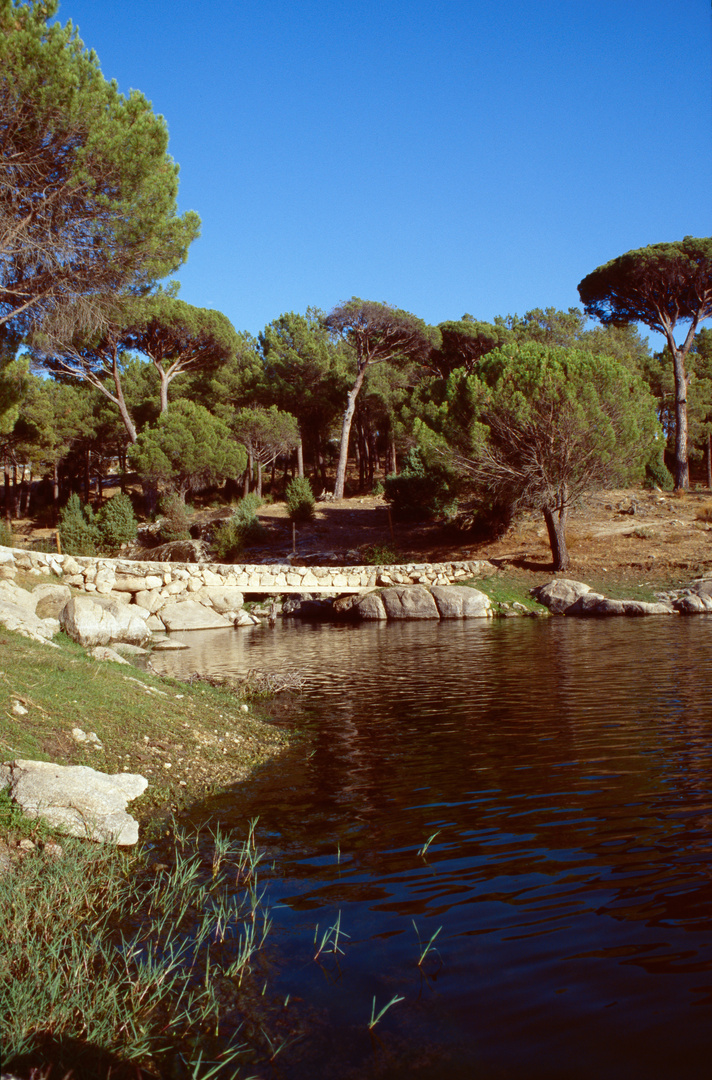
(533, 795)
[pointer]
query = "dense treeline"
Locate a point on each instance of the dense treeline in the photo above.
(104, 368)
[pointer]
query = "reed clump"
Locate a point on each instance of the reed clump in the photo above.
(111, 965)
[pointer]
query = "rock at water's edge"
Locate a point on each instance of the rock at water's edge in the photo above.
(76, 799)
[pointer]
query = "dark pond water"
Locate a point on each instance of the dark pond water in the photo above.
(566, 767)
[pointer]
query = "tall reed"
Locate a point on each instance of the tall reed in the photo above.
(105, 958)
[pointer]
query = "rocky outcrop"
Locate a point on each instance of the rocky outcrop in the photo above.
(565, 597)
(191, 615)
(77, 800)
(17, 613)
(98, 620)
(560, 594)
(461, 602)
(416, 602)
(409, 602)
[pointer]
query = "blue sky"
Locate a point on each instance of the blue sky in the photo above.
(449, 156)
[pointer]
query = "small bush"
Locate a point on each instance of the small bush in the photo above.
(704, 512)
(379, 555)
(241, 529)
(420, 491)
(78, 531)
(175, 519)
(657, 474)
(300, 499)
(6, 537)
(117, 523)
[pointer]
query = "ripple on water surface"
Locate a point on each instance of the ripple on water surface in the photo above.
(565, 769)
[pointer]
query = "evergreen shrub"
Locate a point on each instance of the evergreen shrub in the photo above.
(421, 491)
(242, 528)
(78, 531)
(657, 473)
(175, 519)
(300, 499)
(117, 523)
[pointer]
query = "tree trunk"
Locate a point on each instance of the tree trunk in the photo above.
(682, 471)
(555, 519)
(8, 510)
(55, 489)
(15, 494)
(259, 478)
(87, 477)
(164, 388)
(300, 458)
(394, 459)
(26, 491)
(346, 432)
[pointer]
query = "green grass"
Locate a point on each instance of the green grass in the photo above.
(504, 592)
(624, 590)
(108, 962)
(144, 722)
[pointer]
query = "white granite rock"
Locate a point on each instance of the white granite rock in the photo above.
(76, 799)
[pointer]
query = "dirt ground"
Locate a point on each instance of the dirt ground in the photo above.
(627, 536)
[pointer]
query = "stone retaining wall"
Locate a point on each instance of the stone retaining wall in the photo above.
(159, 587)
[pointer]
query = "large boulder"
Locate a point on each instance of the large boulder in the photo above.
(703, 587)
(559, 595)
(594, 605)
(409, 602)
(76, 799)
(51, 600)
(186, 551)
(14, 594)
(7, 564)
(223, 598)
(461, 602)
(190, 615)
(97, 620)
(693, 603)
(369, 607)
(17, 614)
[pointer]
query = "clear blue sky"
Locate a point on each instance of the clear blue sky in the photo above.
(441, 155)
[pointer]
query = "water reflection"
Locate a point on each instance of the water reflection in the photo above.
(565, 766)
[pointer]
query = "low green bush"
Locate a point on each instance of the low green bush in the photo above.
(421, 491)
(82, 532)
(241, 529)
(78, 530)
(175, 519)
(380, 555)
(117, 522)
(657, 474)
(300, 499)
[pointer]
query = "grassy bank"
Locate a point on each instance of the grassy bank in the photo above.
(110, 962)
(113, 966)
(186, 738)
